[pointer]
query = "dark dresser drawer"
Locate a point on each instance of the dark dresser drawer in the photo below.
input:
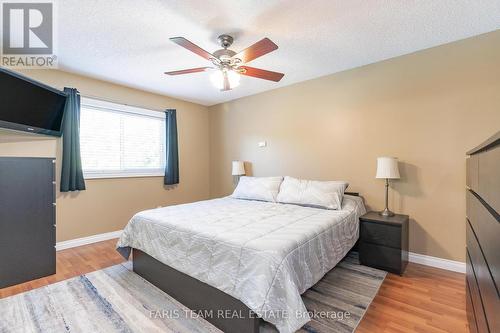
(476, 310)
(487, 230)
(381, 234)
(471, 318)
(485, 283)
(489, 177)
(472, 175)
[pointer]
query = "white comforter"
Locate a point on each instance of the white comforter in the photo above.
(264, 254)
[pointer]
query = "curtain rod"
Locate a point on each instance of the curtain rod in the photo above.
(118, 102)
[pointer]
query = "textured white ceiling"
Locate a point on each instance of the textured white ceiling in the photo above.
(126, 41)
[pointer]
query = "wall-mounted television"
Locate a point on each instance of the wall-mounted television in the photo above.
(30, 106)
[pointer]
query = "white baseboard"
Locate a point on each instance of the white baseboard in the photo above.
(450, 265)
(87, 240)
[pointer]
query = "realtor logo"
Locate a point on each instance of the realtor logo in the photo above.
(27, 28)
(28, 34)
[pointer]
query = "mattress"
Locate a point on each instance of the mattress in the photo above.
(264, 254)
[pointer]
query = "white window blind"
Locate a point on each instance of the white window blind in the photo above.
(121, 141)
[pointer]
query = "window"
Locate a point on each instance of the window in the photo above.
(120, 140)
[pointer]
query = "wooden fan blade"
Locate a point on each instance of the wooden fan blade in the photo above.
(181, 41)
(256, 50)
(226, 86)
(261, 73)
(188, 71)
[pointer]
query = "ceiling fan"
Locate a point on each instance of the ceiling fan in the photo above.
(227, 64)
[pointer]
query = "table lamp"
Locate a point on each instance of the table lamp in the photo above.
(387, 168)
(238, 169)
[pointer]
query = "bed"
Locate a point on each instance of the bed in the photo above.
(243, 260)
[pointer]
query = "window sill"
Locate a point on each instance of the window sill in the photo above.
(122, 175)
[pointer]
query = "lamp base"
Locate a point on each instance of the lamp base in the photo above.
(236, 180)
(386, 212)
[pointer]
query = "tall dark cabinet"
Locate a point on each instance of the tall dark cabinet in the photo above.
(483, 236)
(27, 219)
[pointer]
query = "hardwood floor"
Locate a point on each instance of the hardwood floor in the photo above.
(424, 300)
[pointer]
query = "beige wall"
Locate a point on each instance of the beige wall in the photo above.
(108, 204)
(426, 108)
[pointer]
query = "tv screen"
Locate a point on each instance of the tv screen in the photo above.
(30, 106)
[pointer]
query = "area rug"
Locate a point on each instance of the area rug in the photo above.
(117, 300)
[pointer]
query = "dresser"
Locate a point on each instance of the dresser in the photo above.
(483, 236)
(27, 219)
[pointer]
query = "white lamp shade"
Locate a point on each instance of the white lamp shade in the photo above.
(238, 168)
(387, 167)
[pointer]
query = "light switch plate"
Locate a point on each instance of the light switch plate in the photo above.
(262, 144)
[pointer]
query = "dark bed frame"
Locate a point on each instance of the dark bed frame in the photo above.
(196, 295)
(199, 296)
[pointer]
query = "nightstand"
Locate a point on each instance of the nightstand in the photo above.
(383, 241)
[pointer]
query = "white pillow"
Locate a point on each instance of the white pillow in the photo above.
(323, 194)
(258, 188)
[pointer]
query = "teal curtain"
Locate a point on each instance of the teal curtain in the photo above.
(71, 173)
(172, 149)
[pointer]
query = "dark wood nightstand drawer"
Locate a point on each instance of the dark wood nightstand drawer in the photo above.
(386, 258)
(375, 233)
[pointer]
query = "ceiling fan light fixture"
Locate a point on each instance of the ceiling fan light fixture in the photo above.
(228, 64)
(217, 78)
